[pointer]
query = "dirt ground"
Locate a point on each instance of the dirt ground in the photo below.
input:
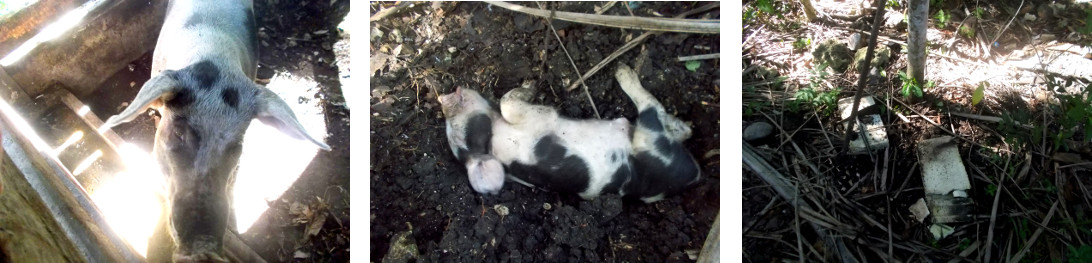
(420, 194)
(301, 38)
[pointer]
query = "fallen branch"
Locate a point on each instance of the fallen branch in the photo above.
(786, 191)
(390, 11)
(877, 18)
(642, 23)
(987, 118)
(1035, 236)
(633, 43)
(699, 57)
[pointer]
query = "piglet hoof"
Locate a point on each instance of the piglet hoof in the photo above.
(676, 128)
(486, 173)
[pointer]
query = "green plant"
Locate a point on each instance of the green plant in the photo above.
(910, 86)
(942, 18)
(766, 7)
(1087, 29)
(1082, 254)
(892, 3)
(692, 65)
(966, 31)
(979, 12)
(979, 93)
(824, 102)
(991, 189)
(1015, 135)
(801, 43)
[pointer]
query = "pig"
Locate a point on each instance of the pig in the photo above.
(202, 85)
(533, 145)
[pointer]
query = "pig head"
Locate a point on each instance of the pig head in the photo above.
(202, 85)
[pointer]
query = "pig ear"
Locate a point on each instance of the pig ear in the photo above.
(275, 112)
(162, 86)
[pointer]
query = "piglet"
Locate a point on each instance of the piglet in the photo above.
(535, 146)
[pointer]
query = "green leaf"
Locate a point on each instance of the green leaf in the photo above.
(765, 6)
(693, 65)
(978, 94)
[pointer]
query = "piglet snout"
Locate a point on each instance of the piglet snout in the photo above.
(485, 172)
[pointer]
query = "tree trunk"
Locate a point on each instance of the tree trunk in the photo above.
(915, 46)
(809, 10)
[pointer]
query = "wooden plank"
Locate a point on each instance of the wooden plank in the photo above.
(89, 118)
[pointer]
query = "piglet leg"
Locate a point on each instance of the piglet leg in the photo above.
(648, 106)
(516, 109)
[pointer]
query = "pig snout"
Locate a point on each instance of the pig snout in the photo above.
(486, 173)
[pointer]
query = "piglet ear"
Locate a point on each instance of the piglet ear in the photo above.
(275, 112)
(486, 173)
(162, 86)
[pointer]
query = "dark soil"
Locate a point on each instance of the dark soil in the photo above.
(417, 185)
(297, 37)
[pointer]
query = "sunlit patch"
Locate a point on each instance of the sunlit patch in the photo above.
(272, 161)
(63, 24)
(83, 111)
(75, 137)
(131, 201)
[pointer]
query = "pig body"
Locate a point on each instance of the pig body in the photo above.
(202, 85)
(539, 148)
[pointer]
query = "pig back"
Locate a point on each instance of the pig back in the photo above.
(220, 31)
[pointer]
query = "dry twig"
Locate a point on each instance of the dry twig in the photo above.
(633, 43)
(562, 44)
(700, 26)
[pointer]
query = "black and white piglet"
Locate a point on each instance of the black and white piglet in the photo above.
(535, 146)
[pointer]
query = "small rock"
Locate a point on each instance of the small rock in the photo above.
(396, 36)
(403, 248)
(757, 130)
(920, 210)
(451, 50)
(300, 254)
(501, 209)
(376, 34)
(894, 19)
(854, 41)
(546, 206)
(1029, 17)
